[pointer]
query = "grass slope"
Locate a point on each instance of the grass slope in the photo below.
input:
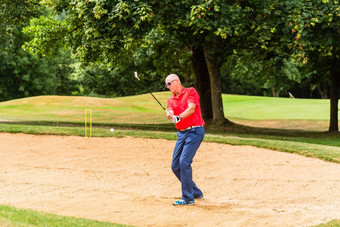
(61, 108)
(72, 109)
(13, 217)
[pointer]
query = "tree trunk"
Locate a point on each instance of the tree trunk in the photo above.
(212, 62)
(334, 97)
(275, 93)
(322, 92)
(202, 82)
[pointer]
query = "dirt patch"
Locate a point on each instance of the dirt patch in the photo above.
(129, 181)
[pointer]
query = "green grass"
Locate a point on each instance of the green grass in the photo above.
(235, 106)
(282, 124)
(71, 109)
(267, 108)
(13, 217)
(334, 223)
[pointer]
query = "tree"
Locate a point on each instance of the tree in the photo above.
(277, 31)
(247, 73)
(22, 74)
(209, 28)
(306, 31)
(104, 31)
(315, 26)
(13, 17)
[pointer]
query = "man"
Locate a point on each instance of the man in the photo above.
(184, 110)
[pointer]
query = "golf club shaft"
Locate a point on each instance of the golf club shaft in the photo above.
(150, 92)
(158, 101)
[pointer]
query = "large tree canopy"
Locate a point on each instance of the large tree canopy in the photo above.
(107, 30)
(209, 28)
(276, 32)
(317, 29)
(22, 74)
(306, 31)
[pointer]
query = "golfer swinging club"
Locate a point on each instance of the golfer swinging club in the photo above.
(184, 110)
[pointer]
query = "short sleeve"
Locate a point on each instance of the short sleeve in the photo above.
(169, 104)
(193, 97)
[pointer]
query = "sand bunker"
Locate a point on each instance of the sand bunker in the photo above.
(129, 181)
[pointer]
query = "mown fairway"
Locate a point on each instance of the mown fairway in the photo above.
(143, 109)
(133, 109)
(268, 108)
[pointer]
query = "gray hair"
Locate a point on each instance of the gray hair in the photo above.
(172, 77)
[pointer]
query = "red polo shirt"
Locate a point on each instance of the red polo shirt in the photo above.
(180, 104)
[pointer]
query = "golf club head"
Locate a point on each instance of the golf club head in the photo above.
(136, 76)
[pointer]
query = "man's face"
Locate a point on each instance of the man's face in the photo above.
(172, 84)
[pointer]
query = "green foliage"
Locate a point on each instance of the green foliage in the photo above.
(293, 41)
(155, 38)
(98, 80)
(298, 29)
(112, 39)
(240, 75)
(94, 30)
(46, 35)
(162, 54)
(244, 73)
(63, 67)
(23, 74)
(158, 55)
(316, 28)
(14, 15)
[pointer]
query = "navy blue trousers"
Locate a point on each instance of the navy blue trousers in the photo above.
(185, 149)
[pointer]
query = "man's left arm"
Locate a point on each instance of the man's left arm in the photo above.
(193, 101)
(190, 110)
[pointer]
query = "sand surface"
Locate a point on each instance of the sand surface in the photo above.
(129, 181)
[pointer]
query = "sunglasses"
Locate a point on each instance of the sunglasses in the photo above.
(167, 85)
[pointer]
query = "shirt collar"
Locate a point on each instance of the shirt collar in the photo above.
(182, 92)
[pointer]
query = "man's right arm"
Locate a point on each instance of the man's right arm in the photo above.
(170, 114)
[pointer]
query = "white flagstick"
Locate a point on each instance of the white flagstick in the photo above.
(136, 76)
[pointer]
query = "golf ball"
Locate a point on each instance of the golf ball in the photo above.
(112, 130)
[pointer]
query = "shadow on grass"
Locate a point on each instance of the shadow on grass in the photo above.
(148, 127)
(234, 128)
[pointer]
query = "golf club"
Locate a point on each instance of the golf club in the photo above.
(150, 93)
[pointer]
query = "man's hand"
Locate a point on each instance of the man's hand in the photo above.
(173, 118)
(170, 115)
(176, 119)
